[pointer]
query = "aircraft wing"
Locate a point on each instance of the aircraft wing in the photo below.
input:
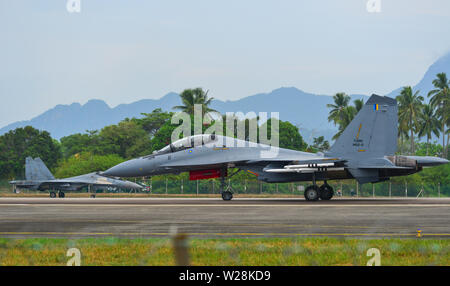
(272, 164)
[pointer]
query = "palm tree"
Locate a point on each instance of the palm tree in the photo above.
(359, 103)
(347, 114)
(191, 97)
(341, 101)
(409, 108)
(402, 133)
(440, 99)
(428, 123)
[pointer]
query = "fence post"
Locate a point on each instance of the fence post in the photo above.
(277, 188)
(166, 185)
(213, 187)
(245, 186)
(182, 186)
(439, 190)
(406, 188)
(357, 189)
(197, 187)
(180, 247)
(260, 187)
(390, 188)
(373, 190)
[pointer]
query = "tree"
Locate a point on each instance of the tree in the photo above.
(163, 136)
(190, 97)
(341, 101)
(342, 113)
(440, 99)
(152, 122)
(409, 109)
(289, 135)
(76, 143)
(126, 139)
(428, 123)
(320, 144)
(86, 162)
(20, 143)
(402, 134)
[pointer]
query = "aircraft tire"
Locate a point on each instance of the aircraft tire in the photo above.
(61, 194)
(312, 193)
(52, 195)
(227, 196)
(326, 192)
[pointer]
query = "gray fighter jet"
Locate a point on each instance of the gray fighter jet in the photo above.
(38, 177)
(365, 151)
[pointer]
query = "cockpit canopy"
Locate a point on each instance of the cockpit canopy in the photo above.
(187, 142)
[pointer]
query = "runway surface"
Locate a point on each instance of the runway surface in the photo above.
(211, 217)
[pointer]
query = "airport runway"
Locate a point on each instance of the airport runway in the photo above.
(211, 217)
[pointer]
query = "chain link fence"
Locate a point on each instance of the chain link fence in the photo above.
(347, 188)
(254, 187)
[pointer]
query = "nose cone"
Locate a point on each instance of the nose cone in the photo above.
(131, 185)
(131, 168)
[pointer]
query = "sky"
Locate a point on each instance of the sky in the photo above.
(122, 51)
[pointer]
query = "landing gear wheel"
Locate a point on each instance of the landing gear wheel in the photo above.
(61, 194)
(326, 192)
(312, 193)
(52, 195)
(227, 196)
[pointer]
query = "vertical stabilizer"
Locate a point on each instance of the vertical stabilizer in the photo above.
(372, 133)
(35, 170)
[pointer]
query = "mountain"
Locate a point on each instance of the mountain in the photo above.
(426, 83)
(306, 110)
(63, 120)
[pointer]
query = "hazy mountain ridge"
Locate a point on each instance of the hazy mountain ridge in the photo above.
(306, 110)
(302, 110)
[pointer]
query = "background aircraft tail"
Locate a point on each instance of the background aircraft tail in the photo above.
(36, 170)
(372, 133)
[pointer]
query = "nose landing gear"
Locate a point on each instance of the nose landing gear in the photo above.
(226, 190)
(227, 195)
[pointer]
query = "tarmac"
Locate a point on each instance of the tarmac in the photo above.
(213, 217)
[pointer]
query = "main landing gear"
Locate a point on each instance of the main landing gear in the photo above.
(60, 194)
(314, 192)
(226, 190)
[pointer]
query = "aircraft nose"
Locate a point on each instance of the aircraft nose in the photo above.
(131, 168)
(133, 186)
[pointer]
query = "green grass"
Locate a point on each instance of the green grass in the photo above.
(242, 251)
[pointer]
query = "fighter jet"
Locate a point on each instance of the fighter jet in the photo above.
(365, 151)
(38, 177)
